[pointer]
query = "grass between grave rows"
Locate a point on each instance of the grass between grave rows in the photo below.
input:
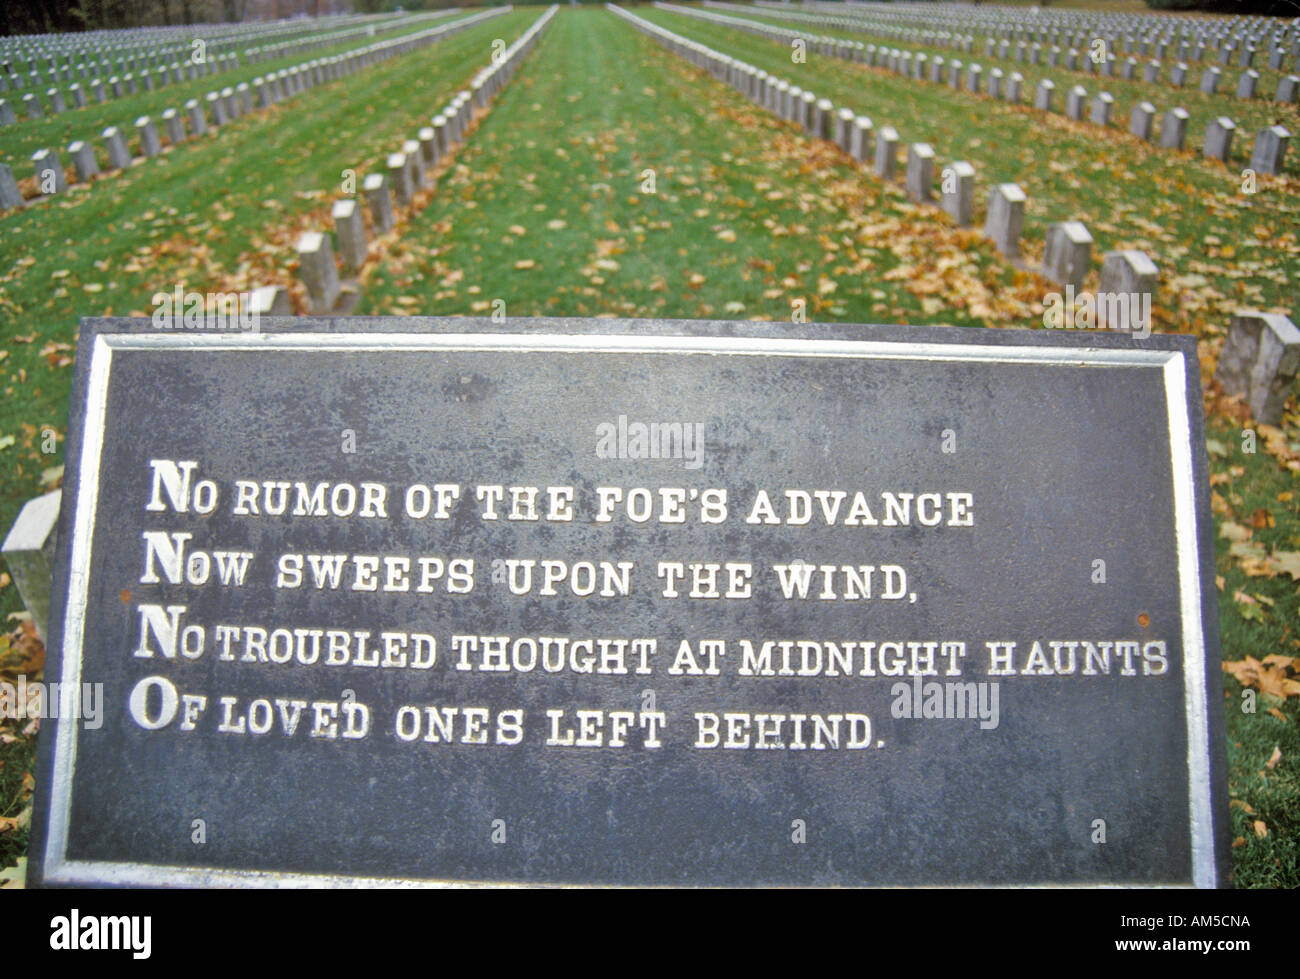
(1250, 115)
(548, 210)
(1218, 248)
(271, 256)
(20, 141)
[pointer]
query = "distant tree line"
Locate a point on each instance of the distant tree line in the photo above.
(44, 16)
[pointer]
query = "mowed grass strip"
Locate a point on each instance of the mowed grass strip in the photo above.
(550, 209)
(186, 218)
(271, 257)
(1250, 115)
(19, 142)
(1217, 247)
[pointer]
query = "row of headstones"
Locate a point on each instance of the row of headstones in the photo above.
(69, 53)
(1083, 18)
(1072, 60)
(88, 69)
(146, 38)
(221, 107)
(102, 63)
(149, 78)
(174, 62)
(406, 172)
(1024, 22)
(115, 87)
(284, 49)
(1069, 245)
(65, 66)
(1288, 87)
(1267, 156)
(1194, 38)
(1270, 142)
(1261, 356)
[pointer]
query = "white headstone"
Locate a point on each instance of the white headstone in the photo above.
(1006, 215)
(1067, 253)
(318, 272)
(1259, 360)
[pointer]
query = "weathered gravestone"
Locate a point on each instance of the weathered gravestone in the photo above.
(28, 550)
(562, 601)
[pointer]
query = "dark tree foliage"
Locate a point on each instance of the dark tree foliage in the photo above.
(44, 16)
(1272, 8)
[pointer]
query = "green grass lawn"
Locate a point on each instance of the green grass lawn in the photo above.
(549, 210)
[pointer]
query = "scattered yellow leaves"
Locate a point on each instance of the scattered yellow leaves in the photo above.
(1234, 532)
(1274, 676)
(1287, 562)
(1252, 558)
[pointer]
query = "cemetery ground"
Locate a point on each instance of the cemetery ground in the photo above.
(18, 143)
(1250, 115)
(611, 178)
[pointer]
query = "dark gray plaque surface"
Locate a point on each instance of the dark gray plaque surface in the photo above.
(1074, 449)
